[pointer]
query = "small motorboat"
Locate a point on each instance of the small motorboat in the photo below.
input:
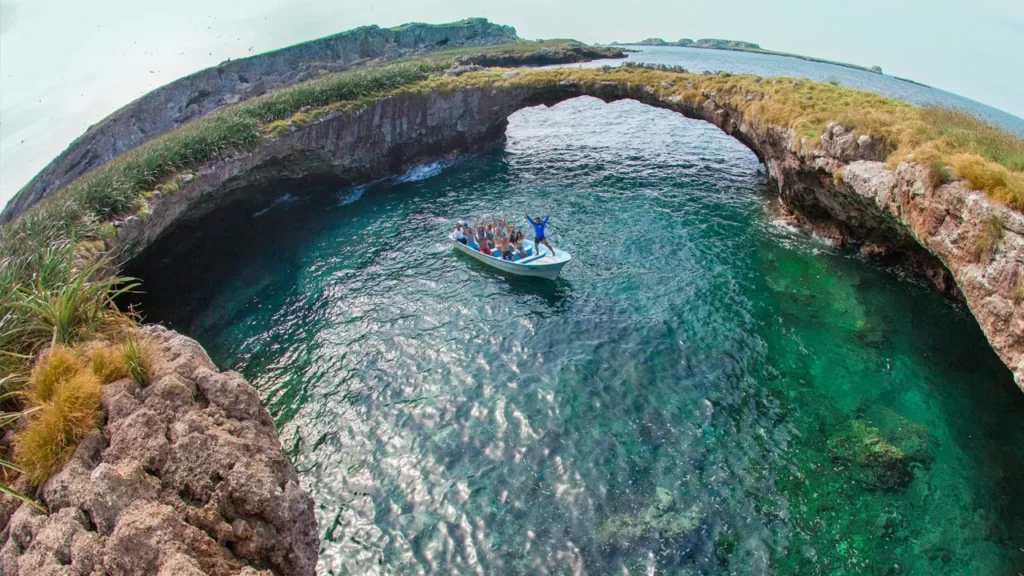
(542, 263)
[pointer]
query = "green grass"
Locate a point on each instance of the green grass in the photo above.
(54, 289)
(939, 173)
(971, 134)
(136, 355)
(987, 239)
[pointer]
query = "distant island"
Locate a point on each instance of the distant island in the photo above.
(739, 46)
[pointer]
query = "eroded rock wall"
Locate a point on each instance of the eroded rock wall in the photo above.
(196, 95)
(186, 478)
(838, 185)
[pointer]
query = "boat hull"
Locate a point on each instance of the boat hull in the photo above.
(548, 266)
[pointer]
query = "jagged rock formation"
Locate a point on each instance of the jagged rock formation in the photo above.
(841, 187)
(198, 94)
(186, 478)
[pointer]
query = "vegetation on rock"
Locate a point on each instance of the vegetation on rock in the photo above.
(108, 362)
(872, 459)
(57, 286)
(987, 239)
(66, 395)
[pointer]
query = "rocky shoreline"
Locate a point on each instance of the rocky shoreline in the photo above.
(840, 186)
(234, 81)
(186, 477)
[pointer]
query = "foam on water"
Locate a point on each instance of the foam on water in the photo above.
(286, 198)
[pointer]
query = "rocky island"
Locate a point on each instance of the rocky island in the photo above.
(176, 467)
(742, 46)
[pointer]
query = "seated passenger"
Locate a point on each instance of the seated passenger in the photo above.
(481, 237)
(460, 236)
(519, 252)
(505, 247)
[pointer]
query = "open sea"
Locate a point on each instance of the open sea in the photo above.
(704, 390)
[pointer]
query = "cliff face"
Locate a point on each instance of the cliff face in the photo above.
(893, 212)
(186, 478)
(196, 95)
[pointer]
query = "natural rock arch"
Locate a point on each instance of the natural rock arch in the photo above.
(840, 186)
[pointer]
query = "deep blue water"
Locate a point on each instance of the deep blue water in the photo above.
(705, 390)
(701, 60)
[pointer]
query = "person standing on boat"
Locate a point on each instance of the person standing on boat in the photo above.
(538, 233)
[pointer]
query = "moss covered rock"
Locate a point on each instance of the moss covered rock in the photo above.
(871, 459)
(663, 524)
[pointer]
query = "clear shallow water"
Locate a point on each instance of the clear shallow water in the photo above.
(681, 401)
(701, 60)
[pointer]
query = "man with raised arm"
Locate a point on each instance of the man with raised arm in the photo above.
(538, 233)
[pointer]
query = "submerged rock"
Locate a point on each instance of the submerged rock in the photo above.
(186, 477)
(912, 438)
(871, 459)
(664, 525)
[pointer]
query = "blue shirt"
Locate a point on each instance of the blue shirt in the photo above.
(538, 229)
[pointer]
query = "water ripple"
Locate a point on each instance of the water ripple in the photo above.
(666, 406)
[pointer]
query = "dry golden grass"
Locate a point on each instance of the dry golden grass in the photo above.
(52, 432)
(108, 363)
(983, 156)
(58, 365)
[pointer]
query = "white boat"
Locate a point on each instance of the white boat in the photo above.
(544, 264)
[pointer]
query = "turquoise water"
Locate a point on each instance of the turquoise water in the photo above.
(704, 391)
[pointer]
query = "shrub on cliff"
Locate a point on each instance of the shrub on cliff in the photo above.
(108, 363)
(66, 407)
(137, 359)
(59, 365)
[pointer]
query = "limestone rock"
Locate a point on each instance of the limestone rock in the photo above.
(187, 477)
(836, 185)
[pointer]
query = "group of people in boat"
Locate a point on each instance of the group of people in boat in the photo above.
(499, 237)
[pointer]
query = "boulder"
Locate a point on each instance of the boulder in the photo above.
(186, 477)
(869, 458)
(251, 89)
(664, 525)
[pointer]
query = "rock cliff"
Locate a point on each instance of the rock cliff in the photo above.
(196, 95)
(841, 187)
(186, 478)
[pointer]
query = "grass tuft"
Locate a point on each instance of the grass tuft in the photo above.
(52, 432)
(939, 173)
(108, 363)
(57, 366)
(987, 239)
(136, 354)
(997, 180)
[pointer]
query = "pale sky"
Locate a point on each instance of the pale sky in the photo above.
(65, 64)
